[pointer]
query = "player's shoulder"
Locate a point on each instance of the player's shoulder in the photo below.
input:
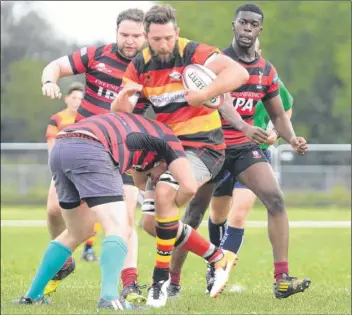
(266, 64)
(103, 50)
(58, 115)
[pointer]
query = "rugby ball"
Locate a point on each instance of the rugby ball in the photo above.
(197, 77)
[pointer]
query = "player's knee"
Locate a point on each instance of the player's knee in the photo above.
(194, 213)
(274, 201)
(53, 209)
(148, 224)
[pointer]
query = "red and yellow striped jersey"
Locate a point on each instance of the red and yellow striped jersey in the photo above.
(58, 122)
(162, 86)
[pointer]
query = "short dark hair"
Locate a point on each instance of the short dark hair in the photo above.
(160, 14)
(75, 86)
(249, 7)
(135, 15)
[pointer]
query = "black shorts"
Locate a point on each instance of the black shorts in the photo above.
(237, 160)
(127, 179)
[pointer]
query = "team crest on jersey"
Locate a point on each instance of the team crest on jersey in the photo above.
(175, 75)
(256, 155)
(102, 68)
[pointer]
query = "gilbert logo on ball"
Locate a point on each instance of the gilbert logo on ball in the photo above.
(197, 77)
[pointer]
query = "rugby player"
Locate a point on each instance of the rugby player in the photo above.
(86, 162)
(157, 72)
(245, 160)
(103, 67)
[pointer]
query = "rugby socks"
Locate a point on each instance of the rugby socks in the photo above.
(233, 239)
(192, 241)
(91, 241)
(113, 255)
(216, 232)
(166, 232)
(54, 258)
(128, 276)
(280, 268)
(175, 277)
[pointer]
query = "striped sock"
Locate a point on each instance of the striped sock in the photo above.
(166, 232)
(192, 241)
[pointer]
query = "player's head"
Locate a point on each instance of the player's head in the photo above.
(130, 32)
(74, 96)
(247, 24)
(161, 31)
(257, 47)
(154, 169)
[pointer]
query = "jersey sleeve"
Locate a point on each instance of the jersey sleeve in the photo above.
(53, 128)
(273, 83)
(203, 52)
(286, 97)
(81, 59)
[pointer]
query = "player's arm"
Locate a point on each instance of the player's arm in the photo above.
(69, 65)
(181, 171)
(230, 75)
(282, 123)
(127, 98)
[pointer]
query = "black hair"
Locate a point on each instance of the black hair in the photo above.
(249, 7)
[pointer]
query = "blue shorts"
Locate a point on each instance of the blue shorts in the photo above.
(228, 183)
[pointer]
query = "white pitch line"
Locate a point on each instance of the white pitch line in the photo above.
(250, 224)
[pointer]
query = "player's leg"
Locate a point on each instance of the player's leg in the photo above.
(88, 252)
(259, 177)
(193, 216)
(56, 226)
(60, 249)
(219, 209)
(131, 290)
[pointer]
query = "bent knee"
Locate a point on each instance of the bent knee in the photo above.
(53, 208)
(274, 201)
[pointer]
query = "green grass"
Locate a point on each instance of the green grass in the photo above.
(324, 255)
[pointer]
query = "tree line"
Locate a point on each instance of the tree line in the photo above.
(309, 43)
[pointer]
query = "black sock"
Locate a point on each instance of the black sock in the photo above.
(216, 232)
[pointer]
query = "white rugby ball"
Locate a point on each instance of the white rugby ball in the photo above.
(197, 77)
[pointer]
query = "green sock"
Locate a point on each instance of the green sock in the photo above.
(54, 258)
(113, 255)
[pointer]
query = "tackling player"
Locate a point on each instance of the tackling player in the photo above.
(103, 67)
(87, 161)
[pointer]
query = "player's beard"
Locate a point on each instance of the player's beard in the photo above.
(128, 54)
(169, 58)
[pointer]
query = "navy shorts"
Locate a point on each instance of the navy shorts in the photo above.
(228, 182)
(82, 169)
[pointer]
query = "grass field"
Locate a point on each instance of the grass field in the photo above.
(322, 254)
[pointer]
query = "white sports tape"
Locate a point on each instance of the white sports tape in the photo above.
(168, 179)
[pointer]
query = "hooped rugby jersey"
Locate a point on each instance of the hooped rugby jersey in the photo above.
(163, 88)
(103, 67)
(132, 139)
(263, 84)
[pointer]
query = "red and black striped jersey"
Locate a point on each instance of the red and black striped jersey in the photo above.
(132, 140)
(58, 122)
(162, 86)
(103, 67)
(263, 84)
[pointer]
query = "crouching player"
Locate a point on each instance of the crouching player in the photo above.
(87, 161)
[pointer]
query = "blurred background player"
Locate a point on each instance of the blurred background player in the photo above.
(236, 201)
(103, 67)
